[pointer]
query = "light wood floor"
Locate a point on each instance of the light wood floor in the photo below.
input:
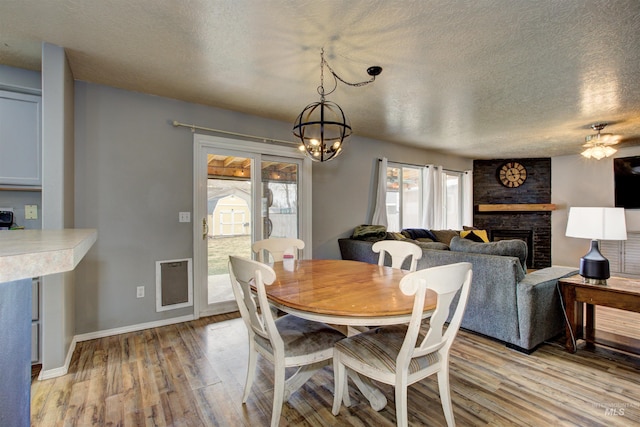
(192, 374)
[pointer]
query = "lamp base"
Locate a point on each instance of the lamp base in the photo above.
(589, 281)
(594, 267)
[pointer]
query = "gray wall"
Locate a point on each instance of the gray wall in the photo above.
(17, 200)
(133, 176)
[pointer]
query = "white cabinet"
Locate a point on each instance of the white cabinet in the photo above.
(20, 139)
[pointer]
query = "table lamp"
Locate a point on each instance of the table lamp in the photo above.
(596, 224)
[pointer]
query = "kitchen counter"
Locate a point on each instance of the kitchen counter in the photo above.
(33, 253)
(25, 254)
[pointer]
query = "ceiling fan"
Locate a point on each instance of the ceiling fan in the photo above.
(599, 145)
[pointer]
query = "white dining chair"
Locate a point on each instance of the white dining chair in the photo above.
(286, 342)
(402, 355)
(277, 247)
(398, 251)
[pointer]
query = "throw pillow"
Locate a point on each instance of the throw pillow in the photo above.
(369, 232)
(395, 236)
(475, 235)
(445, 236)
(514, 248)
(417, 233)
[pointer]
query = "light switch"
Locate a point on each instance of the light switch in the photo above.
(184, 217)
(30, 211)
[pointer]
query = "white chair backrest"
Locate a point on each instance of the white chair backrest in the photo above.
(257, 317)
(445, 280)
(399, 251)
(277, 247)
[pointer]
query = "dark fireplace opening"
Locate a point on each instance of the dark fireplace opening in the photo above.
(525, 235)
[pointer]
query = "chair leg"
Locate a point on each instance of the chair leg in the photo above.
(445, 395)
(346, 400)
(278, 392)
(402, 417)
(340, 384)
(251, 370)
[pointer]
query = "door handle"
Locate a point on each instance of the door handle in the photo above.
(205, 228)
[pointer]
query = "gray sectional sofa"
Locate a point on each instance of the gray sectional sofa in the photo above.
(523, 310)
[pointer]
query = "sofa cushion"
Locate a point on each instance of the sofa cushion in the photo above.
(445, 236)
(475, 235)
(432, 245)
(514, 248)
(369, 232)
(417, 233)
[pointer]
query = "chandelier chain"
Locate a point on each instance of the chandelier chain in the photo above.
(336, 77)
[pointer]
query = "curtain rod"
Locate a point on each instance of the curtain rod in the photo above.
(423, 166)
(242, 135)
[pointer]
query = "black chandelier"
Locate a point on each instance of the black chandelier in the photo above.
(322, 126)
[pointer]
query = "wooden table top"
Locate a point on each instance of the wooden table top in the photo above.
(614, 284)
(352, 291)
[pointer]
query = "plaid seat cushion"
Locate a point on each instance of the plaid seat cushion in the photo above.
(379, 349)
(301, 336)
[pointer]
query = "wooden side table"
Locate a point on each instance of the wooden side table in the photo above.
(619, 292)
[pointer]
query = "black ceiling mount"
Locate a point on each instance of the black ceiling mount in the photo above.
(374, 70)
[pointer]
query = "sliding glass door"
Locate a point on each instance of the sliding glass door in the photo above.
(240, 197)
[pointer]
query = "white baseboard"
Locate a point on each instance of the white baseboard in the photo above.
(62, 370)
(58, 372)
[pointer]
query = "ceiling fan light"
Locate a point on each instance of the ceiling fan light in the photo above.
(609, 151)
(597, 153)
(599, 144)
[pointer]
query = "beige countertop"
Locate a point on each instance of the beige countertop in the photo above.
(33, 253)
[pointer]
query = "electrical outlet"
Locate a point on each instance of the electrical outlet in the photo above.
(184, 217)
(30, 211)
(140, 292)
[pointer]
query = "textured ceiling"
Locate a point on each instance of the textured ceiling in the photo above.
(478, 78)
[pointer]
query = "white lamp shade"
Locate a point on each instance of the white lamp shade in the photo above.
(597, 223)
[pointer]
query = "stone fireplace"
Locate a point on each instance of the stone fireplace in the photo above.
(506, 220)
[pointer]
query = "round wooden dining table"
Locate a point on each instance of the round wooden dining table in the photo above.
(343, 292)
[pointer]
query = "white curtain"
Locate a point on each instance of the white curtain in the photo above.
(380, 211)
(433, 216)
(467, 198)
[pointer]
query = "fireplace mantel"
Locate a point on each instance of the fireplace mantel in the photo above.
(517, 207)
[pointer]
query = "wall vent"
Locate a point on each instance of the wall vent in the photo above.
(174, 284)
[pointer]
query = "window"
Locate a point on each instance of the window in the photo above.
(404, 196)
(405, 189)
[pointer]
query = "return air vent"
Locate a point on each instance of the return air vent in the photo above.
(173, 284)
